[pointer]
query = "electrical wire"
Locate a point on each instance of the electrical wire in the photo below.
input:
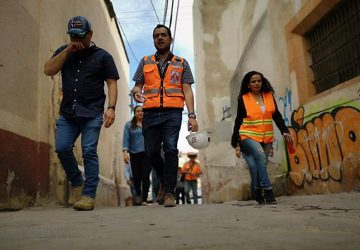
(154, 10)
(127, 41)
(171, 13)
(176, 20)
(165, 11)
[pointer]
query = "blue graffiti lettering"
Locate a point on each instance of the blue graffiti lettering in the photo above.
(287, 105)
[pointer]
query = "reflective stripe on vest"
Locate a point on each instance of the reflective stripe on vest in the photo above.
(165, 93)
(258, 125)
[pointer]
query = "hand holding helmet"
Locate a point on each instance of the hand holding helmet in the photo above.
(199, 140)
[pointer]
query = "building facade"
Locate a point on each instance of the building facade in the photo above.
(29, 105)
(309, 51)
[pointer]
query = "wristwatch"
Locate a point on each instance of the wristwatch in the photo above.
(192, 115)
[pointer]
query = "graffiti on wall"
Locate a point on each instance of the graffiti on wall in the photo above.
(327, 151)
(286, 102)
(226, 111)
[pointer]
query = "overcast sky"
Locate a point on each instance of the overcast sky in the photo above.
(137, 19)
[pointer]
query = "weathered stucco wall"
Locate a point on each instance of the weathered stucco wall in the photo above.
(232, 38)
(29, 100)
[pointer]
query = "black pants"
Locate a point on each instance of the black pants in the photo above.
(180, 194)
(141, 168)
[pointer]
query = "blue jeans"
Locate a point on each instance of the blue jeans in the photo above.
(256, 157)
(193, 186)
(161, 129)
(67, 131)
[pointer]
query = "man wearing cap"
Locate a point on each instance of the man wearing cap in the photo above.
(192, 171)
(163, 83)
(84, 69)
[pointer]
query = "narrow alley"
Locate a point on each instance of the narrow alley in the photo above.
(329, 221)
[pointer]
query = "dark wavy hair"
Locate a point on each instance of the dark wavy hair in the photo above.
(133, 120)
(265, 87)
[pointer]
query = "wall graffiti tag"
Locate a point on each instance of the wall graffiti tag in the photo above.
(226, 110)
(286, 101)
(327, 151)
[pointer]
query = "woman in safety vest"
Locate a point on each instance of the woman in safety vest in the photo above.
(253, 131)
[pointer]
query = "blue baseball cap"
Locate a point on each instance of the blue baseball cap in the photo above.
(78, 25)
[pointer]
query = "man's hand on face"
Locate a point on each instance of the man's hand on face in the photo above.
(74, 46)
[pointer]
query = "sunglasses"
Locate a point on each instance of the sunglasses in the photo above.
(78, 36)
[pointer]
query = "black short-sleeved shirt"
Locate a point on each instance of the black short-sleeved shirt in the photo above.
(83, 75)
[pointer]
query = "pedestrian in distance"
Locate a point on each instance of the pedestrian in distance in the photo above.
(192, 171)
(180, 187)
(155, 184)
(84, 69)
(134, 151)
(163, 83)
(130, 200)
(253, 132)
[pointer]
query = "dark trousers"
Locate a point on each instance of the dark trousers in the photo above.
(180, 194)
(161, 129)
(141, 168)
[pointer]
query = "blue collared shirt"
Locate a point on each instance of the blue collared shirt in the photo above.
(133, 139)
(83, 75)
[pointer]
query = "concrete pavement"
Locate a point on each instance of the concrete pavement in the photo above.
(298, 222)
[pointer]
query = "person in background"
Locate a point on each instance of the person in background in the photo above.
(163, 83)
(130, 181)
(192, 171)
(155, 185)
(84, 69)
(180, 187)
(253, 132)
(134, 151)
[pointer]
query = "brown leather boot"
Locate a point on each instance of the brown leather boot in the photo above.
(84, 204)
(169, 200)
(161, 194)
(75, 194)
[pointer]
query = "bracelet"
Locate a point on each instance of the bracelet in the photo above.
(111, 107)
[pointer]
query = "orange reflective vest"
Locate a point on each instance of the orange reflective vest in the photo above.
(194, 169)
(258, 125)
(166, 92)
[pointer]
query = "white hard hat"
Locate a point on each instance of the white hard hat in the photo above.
(200, 139)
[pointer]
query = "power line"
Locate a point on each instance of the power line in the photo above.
(155, 11)
(165, 11)
(137, 11)
(127, 41)
(176, 19)
(171, 14)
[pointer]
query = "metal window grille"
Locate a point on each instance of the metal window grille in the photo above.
(335, 46)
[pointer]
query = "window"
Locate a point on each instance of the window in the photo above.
(335, 46)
